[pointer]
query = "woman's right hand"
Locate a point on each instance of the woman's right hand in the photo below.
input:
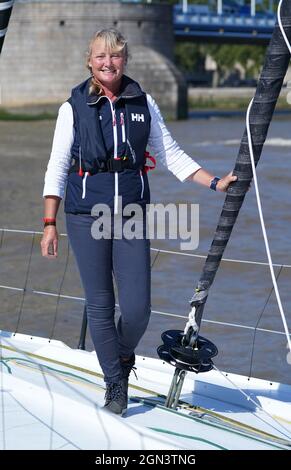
(49, 242)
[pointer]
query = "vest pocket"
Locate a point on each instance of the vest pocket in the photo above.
(133, 187)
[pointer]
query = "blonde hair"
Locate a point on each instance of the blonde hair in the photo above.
(114, 41)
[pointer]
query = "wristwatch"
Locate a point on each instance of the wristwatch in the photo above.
(214, 182)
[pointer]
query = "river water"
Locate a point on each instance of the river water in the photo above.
(241, 294)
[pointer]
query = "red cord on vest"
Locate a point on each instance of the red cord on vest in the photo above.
(147, 156)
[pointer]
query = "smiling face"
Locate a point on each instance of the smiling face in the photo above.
(107, 65)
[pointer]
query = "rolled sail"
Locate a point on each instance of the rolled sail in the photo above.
(5, 12)
(266, 96)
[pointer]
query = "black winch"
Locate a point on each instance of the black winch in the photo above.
(187, 353)
(196, 358)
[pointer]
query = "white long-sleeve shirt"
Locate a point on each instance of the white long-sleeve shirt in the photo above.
(160, 141)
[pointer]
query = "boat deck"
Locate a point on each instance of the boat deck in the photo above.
(52, 398)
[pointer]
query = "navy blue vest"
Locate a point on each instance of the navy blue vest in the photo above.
(90, 144)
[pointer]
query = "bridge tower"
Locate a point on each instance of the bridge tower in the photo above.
(44, 53)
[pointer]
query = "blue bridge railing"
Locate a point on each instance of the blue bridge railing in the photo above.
(210, 25)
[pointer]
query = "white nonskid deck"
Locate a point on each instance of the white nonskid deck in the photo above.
(51, 398)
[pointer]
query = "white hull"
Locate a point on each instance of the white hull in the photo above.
(52, 397)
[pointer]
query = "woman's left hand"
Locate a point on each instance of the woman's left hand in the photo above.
(224, 182)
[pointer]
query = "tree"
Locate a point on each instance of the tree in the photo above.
(249, 57)
(190, 57)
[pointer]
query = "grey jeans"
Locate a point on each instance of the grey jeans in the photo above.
(128, 261)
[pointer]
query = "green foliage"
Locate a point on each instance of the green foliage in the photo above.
(5, 115)
(264, 5)
(190, 56)
(226, 56)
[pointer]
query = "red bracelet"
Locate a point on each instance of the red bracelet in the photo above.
(49, 219)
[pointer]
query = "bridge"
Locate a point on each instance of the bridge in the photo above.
(149, 28)
(230, 21)
(234, 21)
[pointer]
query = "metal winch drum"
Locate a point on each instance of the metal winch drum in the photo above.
(196, 358)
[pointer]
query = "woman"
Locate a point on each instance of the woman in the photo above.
(98, 151)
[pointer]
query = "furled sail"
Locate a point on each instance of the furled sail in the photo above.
(261, 113)
(5, 12)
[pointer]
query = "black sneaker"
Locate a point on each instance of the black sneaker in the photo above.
(115, 398)
(126, 368)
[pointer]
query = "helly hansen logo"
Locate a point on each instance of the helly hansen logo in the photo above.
(137, 117)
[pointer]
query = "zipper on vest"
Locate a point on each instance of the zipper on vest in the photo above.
(84, 184)
(115, 143)
(81, 173)
(132, 152)
(142, 184)
(115, 156)
(122, 127)
(80, 162)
